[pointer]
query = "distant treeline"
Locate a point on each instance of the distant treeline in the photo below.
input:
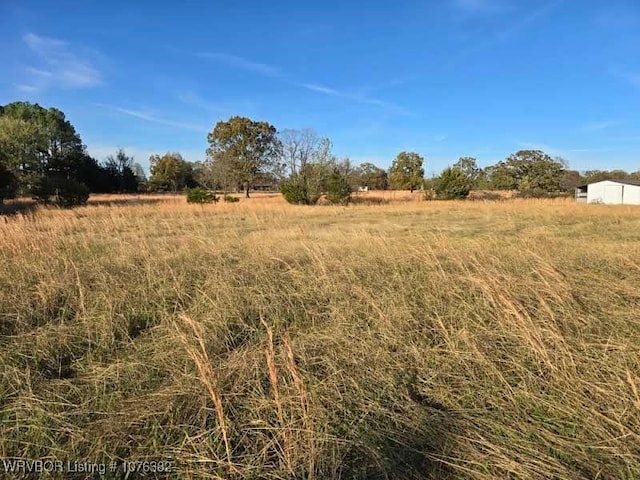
(42, 156)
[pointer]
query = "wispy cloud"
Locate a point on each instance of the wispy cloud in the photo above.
(152, 118)
(513, 28)
(190, 98)
(26, 88)
(38, 73)
(243, 63)
(597, 126)
(61, 67)
(355, 97)
(319, 88)
(618, 16)
(632, 78)
(526, 21)
(272, 71)
(480, 6)
(624, 139)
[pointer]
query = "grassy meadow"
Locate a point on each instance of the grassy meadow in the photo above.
(391, 339)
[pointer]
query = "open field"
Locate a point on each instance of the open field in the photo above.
(404, 340)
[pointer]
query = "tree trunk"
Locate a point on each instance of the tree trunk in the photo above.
(246, 190)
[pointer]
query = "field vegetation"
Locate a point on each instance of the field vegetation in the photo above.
(392, 338)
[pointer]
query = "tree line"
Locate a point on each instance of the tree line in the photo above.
(42, 156)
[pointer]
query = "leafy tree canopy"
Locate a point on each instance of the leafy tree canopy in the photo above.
(406, 172)
(170, 172)
(39, 149)
(528, 171)
(246, 148)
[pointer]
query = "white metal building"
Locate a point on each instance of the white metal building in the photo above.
(610, 192)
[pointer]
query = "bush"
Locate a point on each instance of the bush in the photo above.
(452, 184)
(231, 199)
(487, 196)
(429, 194)
(200, 195)
(539, 193)
(338, 189)
(60, 191)
(294, 192)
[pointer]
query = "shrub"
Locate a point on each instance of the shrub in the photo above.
(231, 199)
(338, 188)
(429, 194)
(484, 195)
(452, 184)
(200, 195)
(294, 192)
(539, 193)
(60, 191)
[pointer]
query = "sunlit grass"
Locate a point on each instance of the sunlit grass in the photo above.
(398, 339)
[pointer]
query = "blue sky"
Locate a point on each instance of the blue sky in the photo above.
(443, 78)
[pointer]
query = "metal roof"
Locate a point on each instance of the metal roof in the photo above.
(625, 182)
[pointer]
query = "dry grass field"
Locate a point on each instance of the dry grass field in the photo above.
(391, 339)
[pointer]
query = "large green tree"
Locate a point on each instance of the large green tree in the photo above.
(41, 148)
(246, 147)
(21, 144)
(407, 171)
(528, 171)
(170, 172)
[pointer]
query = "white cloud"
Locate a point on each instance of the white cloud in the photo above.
(319, 88)
(239, 62)
(632, 78)
(37, 72)
(195, 100)
(61, 67)
(275, 72)
(480, 6)
(597, 126)
(219, 109)
(354, 97)
(26, 88)
(513, 28)
(152, 118)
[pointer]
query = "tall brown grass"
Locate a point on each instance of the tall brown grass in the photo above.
(405, 339)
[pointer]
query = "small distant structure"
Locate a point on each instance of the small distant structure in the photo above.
(265, 183)
(265, 187)
(363, 189)
(610, 192)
